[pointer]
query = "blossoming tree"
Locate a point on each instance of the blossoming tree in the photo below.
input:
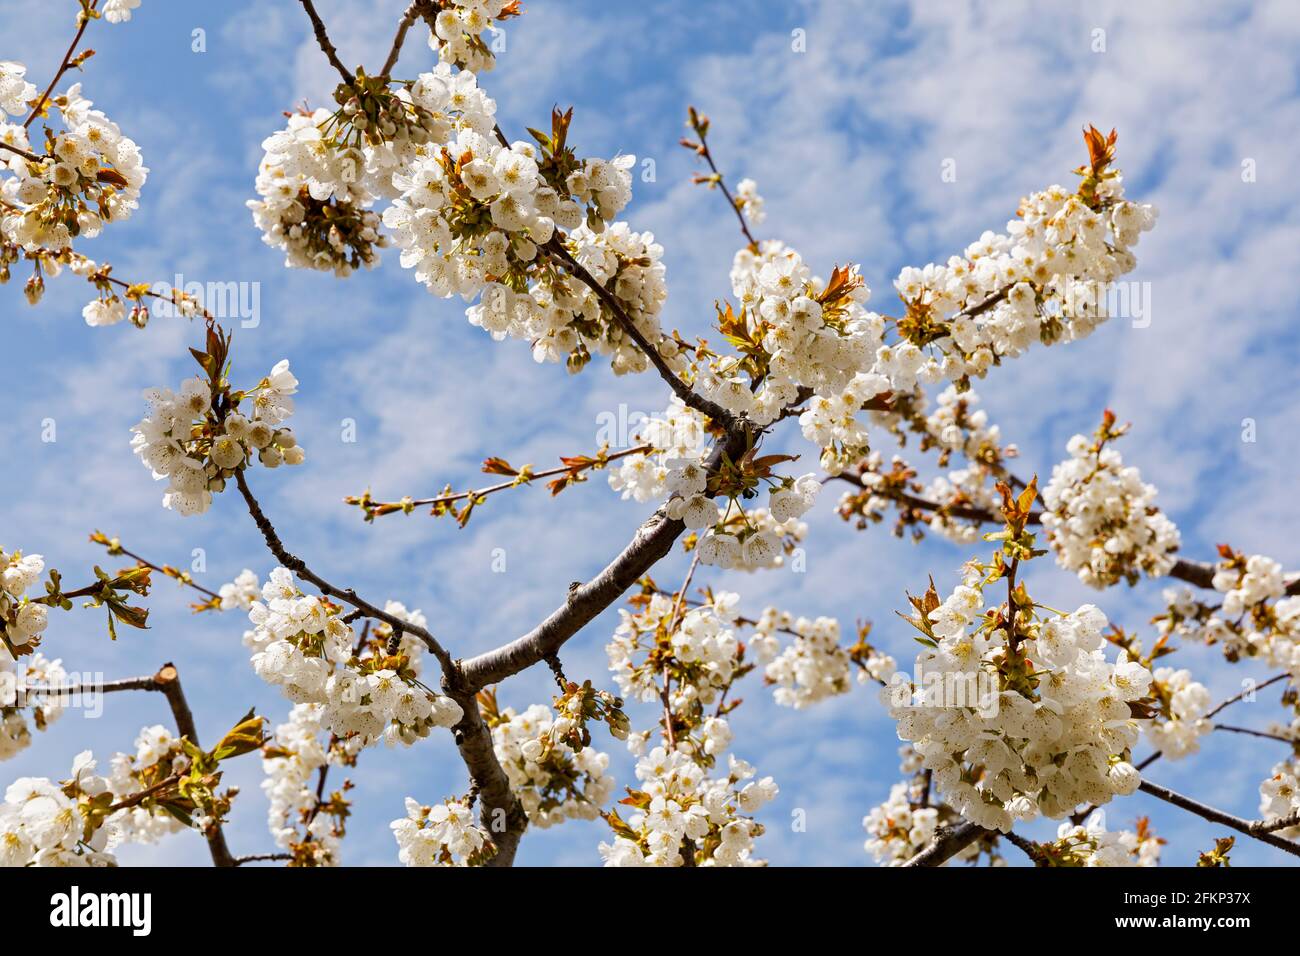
(1011, 711)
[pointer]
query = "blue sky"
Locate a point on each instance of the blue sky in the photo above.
(846, 141)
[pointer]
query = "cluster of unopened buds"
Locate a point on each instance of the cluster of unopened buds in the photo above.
(442, 835)
(22, 621)
(198, 437)
(301, 644)
(1100, 517)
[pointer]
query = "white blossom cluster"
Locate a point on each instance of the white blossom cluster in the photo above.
(469, 213)
(704, 640)
(686, 810)
(158, 755)
(1014, 751)
(1046, 279)
(814, 334)
(814, 665)
(832, 422)
(88, 174)
(1254, 619)
(1101, 518)
(957, 426)
(897, 829)
(21, 621)
(677, 440)
(302, 645)
(750, 539)
(314, 201)
(183, 439)
(43, 823)
(241, 592)
(570, 323)
(119, 11)
(1187, 703)
(15, 92)
(749, 202)
(292, 761)
(732, 536)
(1279, 796)
(471, 219)
(553, 781)
(16, 703)
(457, 34)
(1090, 844)
(442, 835)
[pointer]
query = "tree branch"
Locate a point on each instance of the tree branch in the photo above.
(262, 857)
(413, 13)
(1197, 573)
(947, 843)
(688, 395)
(83, 21)
(18, 151)
(323, 41)
(652, 541)
(1256, 829)
(299, 567)
(500, 812)
(1256, 733)
(169, 683)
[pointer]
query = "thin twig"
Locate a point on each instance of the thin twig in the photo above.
(261, 858)
(412, 14)
(83, 21)
(299, 567)
(1256, 733)
(323, 40)
(30, 157)
(137, 798)
(717, 179)
(688, 395)
(1249, 690)
(381, 508)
